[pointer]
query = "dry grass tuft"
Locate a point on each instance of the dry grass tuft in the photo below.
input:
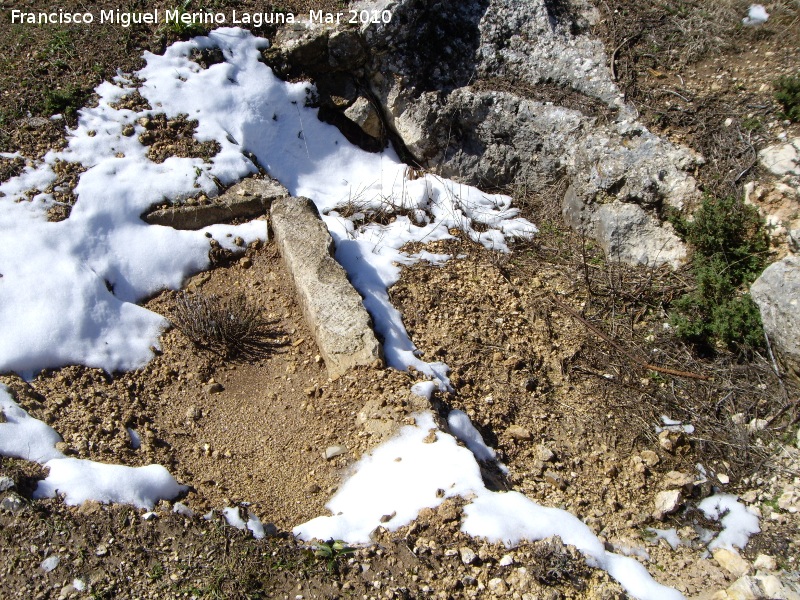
(229, 327)
(554, 563)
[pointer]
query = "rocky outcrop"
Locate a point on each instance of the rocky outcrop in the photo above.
(777, 294)
(782, 160)
(497, 93)
(332, 307)
(247, 199)
(625, 232)
(779, 201)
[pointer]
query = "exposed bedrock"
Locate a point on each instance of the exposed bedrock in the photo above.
(499, 93)
(777, 294)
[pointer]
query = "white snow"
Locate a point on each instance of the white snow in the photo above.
(78, 480)
(400, 478)
(423, 389)
(737, 521)
(183, 510)
(673, 425)
(461, 427)
(24, 437)
(668, 535)
(255, 526)
(756, 15)
(234, 518)
(136, 439)
(404, 475)
(84, 312)
(81, 480)
(69, 289)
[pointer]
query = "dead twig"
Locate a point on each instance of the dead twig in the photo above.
(636, 359)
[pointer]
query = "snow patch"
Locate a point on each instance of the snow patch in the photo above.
(464, 430)
(737, 521)
(668, 535)
(405, 474)
(79, 480)
(756, 15)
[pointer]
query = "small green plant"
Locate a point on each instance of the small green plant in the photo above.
(65, 101)
(184, 28)
(648, 534)
(787, 92)
(751, 124)
(730, 250)
(156, 572)
(332, 551)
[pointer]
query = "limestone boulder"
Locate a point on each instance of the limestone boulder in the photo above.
(777, 294)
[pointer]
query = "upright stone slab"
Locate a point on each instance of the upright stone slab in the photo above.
(332, 307)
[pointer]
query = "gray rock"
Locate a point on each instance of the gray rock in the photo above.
(332, 307)
(497, 586)
(554, 479)
(334, 451)
(667, 503)
(625, 232)
(50, 563)
(6, 483)
(518, 432)
(468, 555)
(765, 562)
(777, 294)
(731, 561)
(793, 236)
(247, 199)
(744, 588)
(775, 588)
(501, 92)
(497, 137)
(12, 503)
(363, 113)
(544, 454)
(628, 234)
(213, 388)
(650, 458)
(675, 480)
(782, 159)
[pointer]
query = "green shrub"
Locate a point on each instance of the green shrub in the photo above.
(787, 92)
(730, 250)
(64, 101)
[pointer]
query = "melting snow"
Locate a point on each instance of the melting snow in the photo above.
(464, 430)
(738, 523)
(756, 15)
(103, 259)
(78, 480)
(405, 474)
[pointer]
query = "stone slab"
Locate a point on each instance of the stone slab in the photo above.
(247, 199)
(332, 307)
